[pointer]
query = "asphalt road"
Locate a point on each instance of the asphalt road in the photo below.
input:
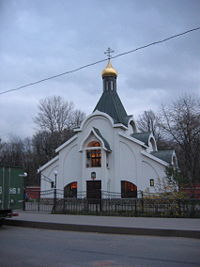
(37, 247)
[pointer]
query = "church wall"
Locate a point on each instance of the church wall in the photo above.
(128, 169)
(151, 170)
(100, 171)
(125, 164)
(132, 166)
(101, 123)
(49, 172)
(103, 173)
(69, 165)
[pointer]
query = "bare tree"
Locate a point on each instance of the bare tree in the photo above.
(148, 122)
(12, 152)
(180, 122)
(56, 120)
(54, 114)
(77, 117)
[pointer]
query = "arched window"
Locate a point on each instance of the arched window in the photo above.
(111, 85)
(174, 162)
(153, 144)
(132, 123)
(93, 156)
(93, 144)
(107, 85)
(70, 190)
(128, 190)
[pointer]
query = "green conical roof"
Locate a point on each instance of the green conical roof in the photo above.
(111, 104)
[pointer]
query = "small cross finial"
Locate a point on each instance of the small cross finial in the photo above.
(108, 53)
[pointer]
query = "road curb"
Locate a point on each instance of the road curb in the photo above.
(105, 229)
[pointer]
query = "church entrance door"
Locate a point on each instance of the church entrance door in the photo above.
(94, 190)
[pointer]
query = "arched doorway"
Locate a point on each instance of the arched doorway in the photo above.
(70, 190)
(128, 190)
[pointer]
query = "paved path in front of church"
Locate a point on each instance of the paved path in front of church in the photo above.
(177, 227)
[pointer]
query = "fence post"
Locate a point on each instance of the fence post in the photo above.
(179, 207)
(142, 195)
(39, 201)
(135, 207)
(63, 205)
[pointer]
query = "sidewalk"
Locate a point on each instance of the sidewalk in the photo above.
(176, 227)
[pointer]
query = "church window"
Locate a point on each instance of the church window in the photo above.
(93, 156)
(132, 123)
(153, 144)
(94, 144)
(128, 190)
(111, 85)
(107, 160)
(151, 182)
(174, 162)
(107, 85)
(70, 190)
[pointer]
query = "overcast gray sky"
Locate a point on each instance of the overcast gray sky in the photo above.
(42, 38)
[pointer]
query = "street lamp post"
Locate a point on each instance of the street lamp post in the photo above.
(55, 188)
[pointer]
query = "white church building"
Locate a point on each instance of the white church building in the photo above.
(107, 155)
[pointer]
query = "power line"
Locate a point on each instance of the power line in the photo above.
(157, 42)
(99, 61)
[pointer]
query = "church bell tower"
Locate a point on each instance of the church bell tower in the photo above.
(109, 101)
(109, 76)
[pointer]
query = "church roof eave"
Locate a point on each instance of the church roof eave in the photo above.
(105, 142)
(97, 133)
(66, 143)
(151, 156)
(143, 137)
(98, 114)
(165, 155)
(49, 163)
(134, 140)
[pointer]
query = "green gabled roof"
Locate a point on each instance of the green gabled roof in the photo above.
(106, 144)
(111, 104)
(165, 155)
(144, 137)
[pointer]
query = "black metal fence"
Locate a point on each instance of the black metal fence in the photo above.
(112, 205)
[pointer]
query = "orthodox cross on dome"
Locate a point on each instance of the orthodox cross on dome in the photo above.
(108, 52)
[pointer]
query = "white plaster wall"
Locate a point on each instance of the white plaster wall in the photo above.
(125, 161)
(128, 166)
(101, 123)
(151, 170)
(69, 165)
(131, 165)
(50, 173)
(104, 125)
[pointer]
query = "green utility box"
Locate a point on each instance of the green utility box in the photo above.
(11, 188)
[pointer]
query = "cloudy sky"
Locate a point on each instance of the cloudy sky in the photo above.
(43, 38)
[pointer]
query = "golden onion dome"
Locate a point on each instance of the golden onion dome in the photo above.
(109, 70)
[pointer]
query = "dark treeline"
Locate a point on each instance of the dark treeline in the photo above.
(55, 122)
(176, 126)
